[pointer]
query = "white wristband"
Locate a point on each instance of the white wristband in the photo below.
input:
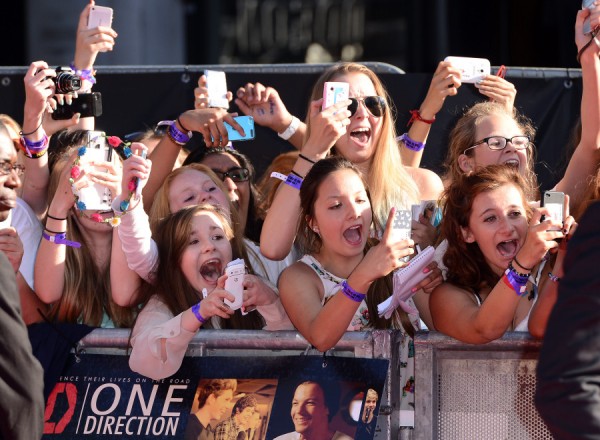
(289, 132)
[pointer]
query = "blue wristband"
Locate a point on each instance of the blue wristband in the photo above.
(515, 281)
(196, 311)
(294, 181)
(351, 293)
(412, 144)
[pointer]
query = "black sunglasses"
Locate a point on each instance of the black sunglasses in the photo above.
(235, 174)
(374, 104)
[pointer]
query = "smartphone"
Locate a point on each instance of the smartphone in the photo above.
(88, 104)
(247, 123)
(95, 196)
(100, 16)
(586, 24)
(429, 210)
(217, 89)
(401, 227)
(472, 69)
(554, 201)
(334, 92)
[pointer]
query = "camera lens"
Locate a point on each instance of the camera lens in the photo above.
(66, 81)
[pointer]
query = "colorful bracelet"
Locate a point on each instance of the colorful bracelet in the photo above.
(293, 181)
(515, 281)
(34, 150)
(178, 137)
(412, 144)
(351, 293)
(553, 277)
(416, 116)
(523, 275)
(196, 311)
(60, 238)
(87, 74)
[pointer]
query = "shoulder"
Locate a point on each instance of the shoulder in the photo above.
(297, 272)
(429, 183)
(447, 295)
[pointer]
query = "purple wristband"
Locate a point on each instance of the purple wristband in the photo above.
(351, 293)
(87, 74)
(196, 311)
(412, 144)
(177, 136)
(516, 281)
(293, 181)
(60, 239)
(35, 146)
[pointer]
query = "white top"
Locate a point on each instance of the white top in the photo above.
(29, 229)
(296, 436)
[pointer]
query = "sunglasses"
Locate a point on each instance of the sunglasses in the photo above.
(374, 104)
(235, 174)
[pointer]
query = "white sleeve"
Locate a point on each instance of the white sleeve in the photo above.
(159, 342)
(29, 229)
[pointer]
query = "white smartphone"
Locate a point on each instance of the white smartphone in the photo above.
(472, 69)
(95, 196)
(586, 24)
(554, 201)
(216, 83)
(334, 92)
(100, 16)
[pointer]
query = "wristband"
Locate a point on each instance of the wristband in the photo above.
(515, 281)
(297, 174)
(60, 238)
(293, 181)
(351, 293)
(278, 175)
(178, 137)
(553, 277)
(290, 130)
(196, 311)
(412, 144)
(189, 132)
(34, 150)
(416, 116)
(87, 74)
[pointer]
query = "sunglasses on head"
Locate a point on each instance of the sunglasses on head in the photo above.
(374, 104)
(236, 174)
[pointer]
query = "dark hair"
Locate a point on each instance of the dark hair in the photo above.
(216, 387)
(311, 243)
(253, 221)
(62, 142)
(248, 401)
(466, 264)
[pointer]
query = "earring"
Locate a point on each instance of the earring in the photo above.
(316, 231)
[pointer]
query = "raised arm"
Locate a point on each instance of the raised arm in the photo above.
(585, 159)
(279, 228)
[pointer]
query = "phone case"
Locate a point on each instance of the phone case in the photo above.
(554, 201)
(586, 24)
(404, 280)
(472, 69)
(334, 92)
(95, 196)
(100, 16)
(88, 104)
(247, 123)
(216, 83)
(235, 271)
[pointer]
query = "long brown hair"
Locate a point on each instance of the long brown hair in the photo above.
(311, 243)
(466, 264)
(87, 293)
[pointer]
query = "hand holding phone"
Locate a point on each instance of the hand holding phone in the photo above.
(216, 83)
(247, 123)
(100, 16)
(86, 104)
(554, 202)
(234, 283)
(95, 196)
(589, 4)
(472, 69)
(334, 92)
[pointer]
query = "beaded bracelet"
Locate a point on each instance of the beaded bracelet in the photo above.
(196, 311)
(553, 277)
(412, 144)
(516, 281)
(293, 181)
(60, 238)
(416, 116)
(351, 293)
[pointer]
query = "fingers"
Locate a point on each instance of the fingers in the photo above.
(389, 225)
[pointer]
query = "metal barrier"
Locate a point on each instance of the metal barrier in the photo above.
(466, 391)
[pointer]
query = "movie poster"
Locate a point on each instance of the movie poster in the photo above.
(223, 398)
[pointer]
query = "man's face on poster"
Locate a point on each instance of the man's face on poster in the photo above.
(246, 416)
(309, 413)
(222, 404)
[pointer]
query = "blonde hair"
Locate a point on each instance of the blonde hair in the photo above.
(87, 293)
(389, 183)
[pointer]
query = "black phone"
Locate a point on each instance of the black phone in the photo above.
(88, 104)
